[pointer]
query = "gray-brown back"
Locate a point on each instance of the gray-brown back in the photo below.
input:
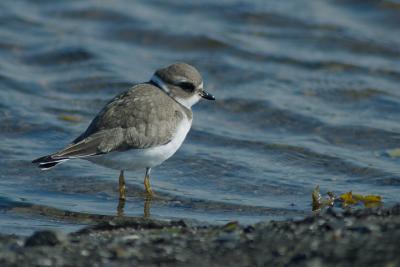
(142, 117)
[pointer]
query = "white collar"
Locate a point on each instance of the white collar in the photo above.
(160, 83)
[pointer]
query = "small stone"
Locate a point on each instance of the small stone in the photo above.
(45, 238)
(84, 252)
(249, 229)
(45, 262)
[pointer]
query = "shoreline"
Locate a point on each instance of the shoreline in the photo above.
(358, 238)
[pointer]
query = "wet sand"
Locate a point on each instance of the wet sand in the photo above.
(368, 237)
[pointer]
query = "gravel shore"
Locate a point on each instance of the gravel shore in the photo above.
(368, 237)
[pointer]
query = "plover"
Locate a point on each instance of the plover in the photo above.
(141, 127)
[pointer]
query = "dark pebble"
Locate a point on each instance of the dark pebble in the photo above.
(44, 238)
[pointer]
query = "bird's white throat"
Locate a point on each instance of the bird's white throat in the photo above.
(188, 102)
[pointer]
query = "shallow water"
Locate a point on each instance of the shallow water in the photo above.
(307, 93)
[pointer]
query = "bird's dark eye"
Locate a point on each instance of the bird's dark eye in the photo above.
(187, 86)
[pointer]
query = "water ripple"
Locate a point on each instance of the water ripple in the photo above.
(307, 93)
(65, 56)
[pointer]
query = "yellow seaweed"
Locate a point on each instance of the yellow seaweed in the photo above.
(369, 200)
(347, 199)
(318, 202)
(316, 199)
(393, 153)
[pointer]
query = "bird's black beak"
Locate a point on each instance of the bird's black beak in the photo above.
(206, 95)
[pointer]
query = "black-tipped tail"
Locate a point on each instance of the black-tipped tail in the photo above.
(48, 162)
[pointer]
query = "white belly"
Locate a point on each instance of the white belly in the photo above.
(135, 159)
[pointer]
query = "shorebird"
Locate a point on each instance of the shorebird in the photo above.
(141, 127)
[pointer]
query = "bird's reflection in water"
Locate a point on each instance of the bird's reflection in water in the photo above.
(146, 207)
(120, 207)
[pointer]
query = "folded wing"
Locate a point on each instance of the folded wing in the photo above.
(139, 118)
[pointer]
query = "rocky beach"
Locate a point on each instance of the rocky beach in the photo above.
(363, 237)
